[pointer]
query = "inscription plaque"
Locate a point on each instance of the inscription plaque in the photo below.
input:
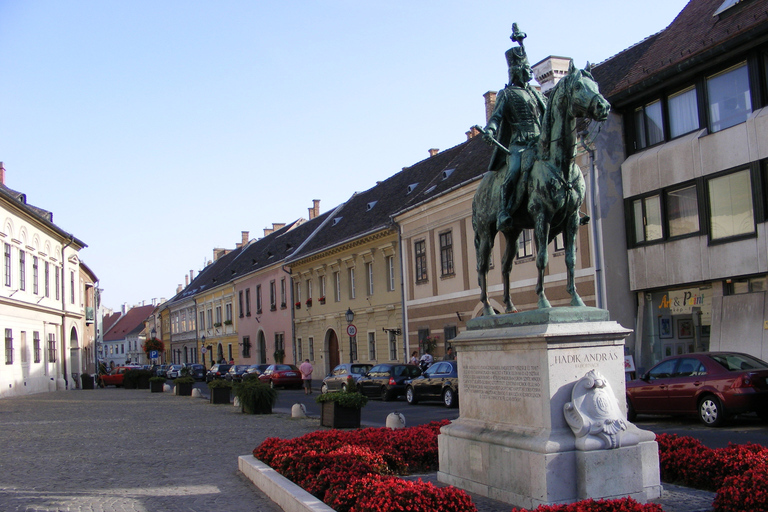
(502, 382)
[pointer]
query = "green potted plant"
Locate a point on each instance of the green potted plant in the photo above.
(220, 391)
(184, 385)
(341, 409)
(255, 397)
(142, 379)
(131, 379)
(87, 380)
(156, 384)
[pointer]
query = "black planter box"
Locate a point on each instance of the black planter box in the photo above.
(87, 381)
(156, 387)
(220, 395)
(143, 382)
(335, 416)
(184, 389)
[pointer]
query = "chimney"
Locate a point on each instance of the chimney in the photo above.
(473, 132)
(433, 152)
(245, 235)
(316, 208)
(490, 103)
(277, 225)
(186, 281)
(178, 289)
(191, 276)
(218, 253)
(268, 231)
(2, 174)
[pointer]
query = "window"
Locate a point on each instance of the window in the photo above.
(352, 283)
(420, 250)
(22, 270)
(559, 243)
(682, 209)
(272, 296)
(7, 264)
(372, 346)
(210, 318)
(282, 293)
(729, 97)
(446, 253)
(311, 342)
(649, 127)
(228, 312)
(51, 348)
(353, 348)
(8, 346)
(35, 275)
(525, 244)
(322, 288)
(72, 287)
(58, 282)
(337, 286)
(280, 341)
(47, 279)
(390, 273)
(392, 346)
(218, 316)
(309, 289)
(299, 350)
(369, 276)
(683, 112)
(240, 303)
(298, 292)
(647, 219)
(36, 345)
(229, 352)
(730, 204)
(248, 300)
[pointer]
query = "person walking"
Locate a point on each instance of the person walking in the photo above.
(449, 356)
(306, 376)
(414, 358)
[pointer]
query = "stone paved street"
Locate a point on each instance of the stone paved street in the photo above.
(130, 450)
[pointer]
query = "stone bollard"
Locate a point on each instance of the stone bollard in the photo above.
(395, 420)
(298, 411)
(236, 403)
(166, 388)
(196, 393)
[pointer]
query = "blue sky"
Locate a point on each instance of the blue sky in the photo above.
(157, 130)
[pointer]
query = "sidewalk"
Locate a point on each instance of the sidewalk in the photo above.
(131, 450)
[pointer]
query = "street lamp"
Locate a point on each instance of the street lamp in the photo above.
(202, 348)
(352, 331)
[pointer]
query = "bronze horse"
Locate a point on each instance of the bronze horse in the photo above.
(553, 189)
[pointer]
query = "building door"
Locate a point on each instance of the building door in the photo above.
(333, 350)
(262, 348)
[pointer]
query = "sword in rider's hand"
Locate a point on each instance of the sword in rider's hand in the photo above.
(492, 139)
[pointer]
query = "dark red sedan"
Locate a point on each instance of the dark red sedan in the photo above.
(711, 385)
(282, 375)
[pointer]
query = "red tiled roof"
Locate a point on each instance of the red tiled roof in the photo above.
(128, 323)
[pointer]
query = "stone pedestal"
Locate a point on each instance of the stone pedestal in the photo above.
(512, 442)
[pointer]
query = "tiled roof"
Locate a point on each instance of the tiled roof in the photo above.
(371, 211)
(694, 37)
(130, 322)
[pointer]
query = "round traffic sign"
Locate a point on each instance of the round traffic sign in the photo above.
(351, 330)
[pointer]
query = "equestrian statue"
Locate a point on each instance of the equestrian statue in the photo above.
(533, 181)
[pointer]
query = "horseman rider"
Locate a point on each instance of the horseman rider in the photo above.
(515, 124)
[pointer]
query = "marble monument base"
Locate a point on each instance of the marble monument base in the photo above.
(512, 442)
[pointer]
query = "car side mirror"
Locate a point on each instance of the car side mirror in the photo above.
(645, 377)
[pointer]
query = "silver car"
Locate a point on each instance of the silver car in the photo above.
(337, 379)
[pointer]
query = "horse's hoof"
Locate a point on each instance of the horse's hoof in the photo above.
(577, 302)
(488, 311)
(544, 303)
(511, 309)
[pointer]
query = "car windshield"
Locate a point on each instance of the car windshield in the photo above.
(360, 369)
(282, 367)
(738, 362)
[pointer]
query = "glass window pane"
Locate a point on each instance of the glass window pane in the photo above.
(637, 207)
(652, 218)
(729, 99)
(654, 123)
(730, 199)
(683, 112)
(683, 211)
(639, 129)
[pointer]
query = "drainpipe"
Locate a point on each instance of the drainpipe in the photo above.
(293, 313)
(64, 312)
(406, 339)
(594, 213)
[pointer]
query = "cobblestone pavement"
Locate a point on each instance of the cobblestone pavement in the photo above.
(131, 450)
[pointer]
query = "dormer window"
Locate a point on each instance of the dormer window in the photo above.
(411, 188)
(370, 205)
(447, 173)
(336, 220)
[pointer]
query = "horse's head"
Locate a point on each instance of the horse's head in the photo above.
(585, 98)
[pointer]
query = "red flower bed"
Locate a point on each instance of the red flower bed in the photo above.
(738, 473)
(620, 505)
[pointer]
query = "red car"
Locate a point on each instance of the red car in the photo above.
(712, 385)
(115, 377)
(285, 375)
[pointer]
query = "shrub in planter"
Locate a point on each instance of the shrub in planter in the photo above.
(131, 379)
(142, 378)
(86, 380)
(156, 384)
(220, 391)
(341, 409)
(255, 397)
(184, 385)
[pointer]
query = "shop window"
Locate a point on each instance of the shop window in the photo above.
(682, 209)
(729, 97)
(683, 112)
(730, 205)
(746, 285)
(649, 126)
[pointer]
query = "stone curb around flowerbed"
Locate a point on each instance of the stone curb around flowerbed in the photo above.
(289, 496)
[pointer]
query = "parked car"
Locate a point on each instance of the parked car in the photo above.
(285, 375)
(197, 371)
(217, 371)
(439, 382)
(337, 379)
(115, 377)
(235, 374)
(711, 385)
(255, 370)
(161, 370)
(387, 381)
(174, 371)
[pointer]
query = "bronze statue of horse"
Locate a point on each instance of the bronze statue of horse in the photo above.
(552, 187)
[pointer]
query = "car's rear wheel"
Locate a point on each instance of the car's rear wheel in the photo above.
(631, 413)
(711, 411)
(449, 398)
(272, 384)
(344, 388)
(324, 388)
(410, 396)
(385, 396)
